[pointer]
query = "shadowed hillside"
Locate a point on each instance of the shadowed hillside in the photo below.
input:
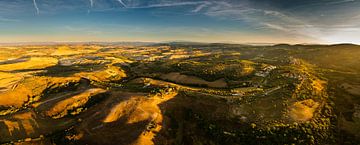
(180, 93)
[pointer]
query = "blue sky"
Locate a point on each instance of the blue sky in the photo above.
(236, 21)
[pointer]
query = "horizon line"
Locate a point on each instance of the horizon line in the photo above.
(159, 42)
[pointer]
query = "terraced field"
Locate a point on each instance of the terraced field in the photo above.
(91, 94)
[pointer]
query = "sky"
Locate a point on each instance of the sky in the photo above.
(230, 21)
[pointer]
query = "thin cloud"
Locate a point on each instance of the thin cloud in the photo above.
(200, 7)
(262, 18)
(36, 7)
(91, 6)
(276, 27)
(160, 5)
(122, 3)
(294, 20)
(341, 1)
(2, 19)
(91, 3)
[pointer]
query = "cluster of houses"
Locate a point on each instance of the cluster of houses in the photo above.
(292, 75)
(265, 71)
(356, 114)
(294, 61)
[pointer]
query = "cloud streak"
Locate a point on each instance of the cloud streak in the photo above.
(167, 4)
(2, 19)
(289, 19)
(122, 3)
(341, 1)
(200, 7)
(91, 3)
(36, 7)
(262, 18)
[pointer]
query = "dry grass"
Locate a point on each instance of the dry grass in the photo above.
(120, 110)
(62, 108)
(303, 110)
(64, 50)
(110, 74)
(19, 121)
(33, 63)
(31, 87)
(138, 109)
(184, 79)
(8, 80)
(12, 126)
(318, 85)
(149, 110)
(247, 67)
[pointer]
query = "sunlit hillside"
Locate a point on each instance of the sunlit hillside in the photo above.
(217, 94)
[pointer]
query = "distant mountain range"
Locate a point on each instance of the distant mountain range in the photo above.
(185, 43)
(78, 43)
